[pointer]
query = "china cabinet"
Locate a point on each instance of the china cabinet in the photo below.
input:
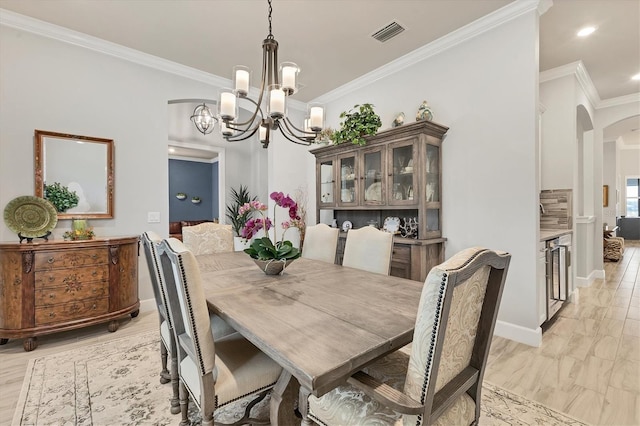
(46, 287)
(398, 175)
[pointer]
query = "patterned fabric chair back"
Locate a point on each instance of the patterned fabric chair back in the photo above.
(456, 317)
(149, 241)
(208, 238)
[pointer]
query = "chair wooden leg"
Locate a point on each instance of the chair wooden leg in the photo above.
(184, 406)
(303, 406)
(176, 403)
(165, 377)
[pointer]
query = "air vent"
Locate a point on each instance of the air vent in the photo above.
(388, 32)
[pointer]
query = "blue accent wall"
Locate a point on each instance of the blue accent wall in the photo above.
(194, 179)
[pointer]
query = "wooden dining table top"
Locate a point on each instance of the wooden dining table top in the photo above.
(321, 322)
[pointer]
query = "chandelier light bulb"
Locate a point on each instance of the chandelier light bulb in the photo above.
(227, 104)
(241, 80)
(289, 72)
(276, 101)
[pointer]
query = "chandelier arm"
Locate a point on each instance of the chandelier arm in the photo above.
(288, 134)
(289, 124)
(251, 120)
(244, 135)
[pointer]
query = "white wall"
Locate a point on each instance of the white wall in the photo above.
(50, 85)
(609, 160)
(490, 194)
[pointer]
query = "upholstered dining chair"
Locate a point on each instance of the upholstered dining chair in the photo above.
(208, 238)
(368, 249)
(219, 327)
(213, 372)
(440, 381)
(320, 243)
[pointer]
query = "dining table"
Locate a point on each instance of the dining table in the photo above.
(321, 322)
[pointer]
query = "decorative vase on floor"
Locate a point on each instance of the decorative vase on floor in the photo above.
(273, 266)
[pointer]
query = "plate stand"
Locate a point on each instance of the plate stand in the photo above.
(45, 236)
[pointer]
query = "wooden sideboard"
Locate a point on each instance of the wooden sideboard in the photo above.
(46, 287)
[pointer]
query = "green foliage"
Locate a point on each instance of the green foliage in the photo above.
(263, 249)
(238, 199)
(60, 196)
(359, 122)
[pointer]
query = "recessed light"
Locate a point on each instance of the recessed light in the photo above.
(586, 31)
(636, 77)
(172, 150)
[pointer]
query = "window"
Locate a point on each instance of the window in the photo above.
(633, 197)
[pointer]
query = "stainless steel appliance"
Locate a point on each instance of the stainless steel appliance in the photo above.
(558, 273)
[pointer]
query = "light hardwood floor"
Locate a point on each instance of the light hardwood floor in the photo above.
(588, 365)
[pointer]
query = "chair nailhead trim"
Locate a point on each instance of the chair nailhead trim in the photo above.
(196, 340)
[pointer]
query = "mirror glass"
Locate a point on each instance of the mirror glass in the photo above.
(82, 164)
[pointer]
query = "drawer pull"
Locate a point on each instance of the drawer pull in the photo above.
(51, 278)
(52, 296)
(51, 260)
(52, 314)
(94, 256)
(94, 307)
(94, 273)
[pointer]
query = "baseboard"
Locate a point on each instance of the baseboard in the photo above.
(587, 281)
(148, 305)
(518, 333)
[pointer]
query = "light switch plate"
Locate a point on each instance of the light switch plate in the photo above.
(153, 217)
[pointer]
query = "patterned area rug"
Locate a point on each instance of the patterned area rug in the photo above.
(117, 383)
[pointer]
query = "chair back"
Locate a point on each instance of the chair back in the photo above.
(320, 243)
(368, 249)
(187, 308)
(455, 323)
(149, 242)
(208, 238)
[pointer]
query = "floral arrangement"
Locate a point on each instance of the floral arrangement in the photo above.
(264, 248)
(79, 234)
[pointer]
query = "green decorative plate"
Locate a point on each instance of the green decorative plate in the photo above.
(30, 217)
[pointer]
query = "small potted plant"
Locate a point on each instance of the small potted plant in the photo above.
(181, 195)
(60, 196)
(359, 122)
(239, 198)
(195, 200)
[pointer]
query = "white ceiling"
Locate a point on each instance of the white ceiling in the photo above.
(331, 39)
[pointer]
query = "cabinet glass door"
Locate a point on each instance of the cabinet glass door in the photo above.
(326, 179)
(432, 193)
(432, 190)
(372, 170)
(402, 183)
(348, 188)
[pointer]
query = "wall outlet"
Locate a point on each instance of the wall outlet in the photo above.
(153, 217)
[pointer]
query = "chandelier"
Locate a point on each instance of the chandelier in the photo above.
(275, 86)
(203, 119)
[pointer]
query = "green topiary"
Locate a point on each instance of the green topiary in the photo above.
(60, 196)
(357, 125)
(238, 199)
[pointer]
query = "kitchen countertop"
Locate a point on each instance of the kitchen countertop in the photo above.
(550, 234)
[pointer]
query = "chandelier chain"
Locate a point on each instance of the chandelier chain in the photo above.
(270, 10)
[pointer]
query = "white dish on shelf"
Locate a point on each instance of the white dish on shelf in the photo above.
(374, 192)
(346, 225)
(392, 225)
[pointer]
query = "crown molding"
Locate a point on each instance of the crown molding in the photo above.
(620, 100)
(479, 26)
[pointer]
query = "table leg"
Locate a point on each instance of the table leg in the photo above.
(282, 400)
(303, 406)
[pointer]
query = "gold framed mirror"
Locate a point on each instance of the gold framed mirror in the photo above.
(80, 164)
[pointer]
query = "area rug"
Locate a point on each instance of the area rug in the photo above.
(117, 383)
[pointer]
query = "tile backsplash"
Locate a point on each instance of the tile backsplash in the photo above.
(558, 209)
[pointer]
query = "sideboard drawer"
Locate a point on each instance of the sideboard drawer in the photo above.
(71, 278)
(48, 296)
(71, 258)
(401, 254)
(78, 309)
